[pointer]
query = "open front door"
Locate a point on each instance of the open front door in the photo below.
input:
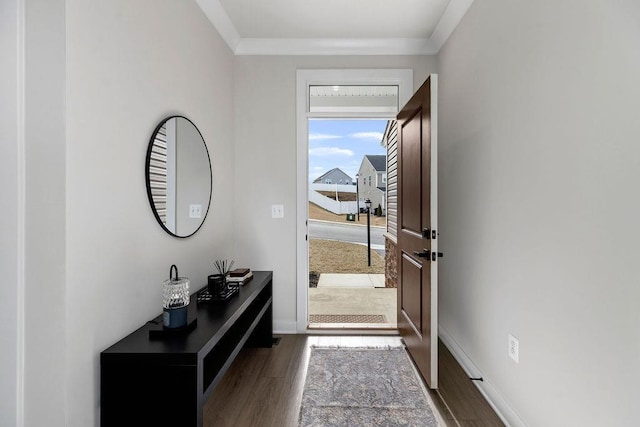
(417, 229)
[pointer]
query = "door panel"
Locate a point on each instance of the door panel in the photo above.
(417, 217)
(412, 291)
(410, 177)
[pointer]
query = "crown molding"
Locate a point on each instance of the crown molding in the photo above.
(400, 46)
(251, 46)
(450, 19)
(221, 21)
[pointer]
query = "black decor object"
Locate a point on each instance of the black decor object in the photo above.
(214, 294)
(165, 382)
(177, 150)
(218, 289)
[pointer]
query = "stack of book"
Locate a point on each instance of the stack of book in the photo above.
(240, 276)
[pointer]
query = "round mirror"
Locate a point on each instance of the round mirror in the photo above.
(178, 174)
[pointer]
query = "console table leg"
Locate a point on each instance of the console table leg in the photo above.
(262, 335)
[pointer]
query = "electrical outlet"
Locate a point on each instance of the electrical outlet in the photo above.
(514, 348)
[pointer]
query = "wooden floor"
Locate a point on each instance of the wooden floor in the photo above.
(263, 387)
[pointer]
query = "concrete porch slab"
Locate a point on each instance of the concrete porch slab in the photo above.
(338, 300)
(334, 280)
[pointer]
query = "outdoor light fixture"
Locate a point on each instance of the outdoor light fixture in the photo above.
(358, 196)
(367, 203)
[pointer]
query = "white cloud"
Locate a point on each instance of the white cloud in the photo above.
(367, 135)
(322, 136)
(330, 151)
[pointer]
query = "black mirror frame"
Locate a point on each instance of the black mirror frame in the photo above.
(148, 181)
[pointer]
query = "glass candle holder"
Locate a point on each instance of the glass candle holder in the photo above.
(175, 299)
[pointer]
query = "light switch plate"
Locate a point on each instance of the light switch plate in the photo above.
(195, 211)
(277, 211)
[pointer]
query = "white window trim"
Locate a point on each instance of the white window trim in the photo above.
(403, 78)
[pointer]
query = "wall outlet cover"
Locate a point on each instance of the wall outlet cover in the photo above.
(514, 348)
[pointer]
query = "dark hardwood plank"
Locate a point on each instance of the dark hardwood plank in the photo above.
(467, 404)
(263, 387)
(228, 400)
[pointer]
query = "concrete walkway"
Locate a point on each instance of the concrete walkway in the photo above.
(328, 280)
(353, 294)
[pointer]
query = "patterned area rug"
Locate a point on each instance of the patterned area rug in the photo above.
(363, 387)
(347, 318)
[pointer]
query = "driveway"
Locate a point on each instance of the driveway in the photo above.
(347, 233)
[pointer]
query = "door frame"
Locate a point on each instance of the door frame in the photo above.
(403, 78)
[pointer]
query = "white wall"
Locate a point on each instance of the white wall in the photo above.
(265, 114)
(11, 194)
(129, 65)
(193, 178)
(45, 228)
(539, 205)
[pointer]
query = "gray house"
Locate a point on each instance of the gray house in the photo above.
(334, 176)
(372, 181)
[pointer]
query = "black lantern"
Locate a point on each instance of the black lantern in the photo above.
(367, 203)
(358, 196)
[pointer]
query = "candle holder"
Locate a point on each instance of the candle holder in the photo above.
(175, 299)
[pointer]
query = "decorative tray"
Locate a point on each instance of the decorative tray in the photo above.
(205, 296)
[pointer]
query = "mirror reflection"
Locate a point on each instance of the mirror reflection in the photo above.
(178, 175)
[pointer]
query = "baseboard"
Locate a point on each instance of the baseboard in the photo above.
(284, 327)
(495, 399)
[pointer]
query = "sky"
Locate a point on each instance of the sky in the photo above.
(342, 144)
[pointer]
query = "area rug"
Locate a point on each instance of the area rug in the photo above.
(363, 387)
(347, 318)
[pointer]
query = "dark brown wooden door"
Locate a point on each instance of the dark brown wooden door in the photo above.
(417, 221)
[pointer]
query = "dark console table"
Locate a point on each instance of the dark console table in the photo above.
(165, 381)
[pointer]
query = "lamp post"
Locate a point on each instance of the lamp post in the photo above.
(367, 203)
(358, 196)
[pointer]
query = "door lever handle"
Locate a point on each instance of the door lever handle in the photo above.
(436, 255)
(424, 254)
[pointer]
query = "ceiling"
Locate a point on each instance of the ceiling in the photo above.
(335, 27)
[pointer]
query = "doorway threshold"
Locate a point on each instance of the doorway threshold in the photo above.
(341, 327)
(352, 332)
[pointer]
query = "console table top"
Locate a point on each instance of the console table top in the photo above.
(214, 319)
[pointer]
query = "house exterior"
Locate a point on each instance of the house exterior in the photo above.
(334, 176)
(390, 142)
(372, 177)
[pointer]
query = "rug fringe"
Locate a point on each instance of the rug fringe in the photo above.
(367, 347)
